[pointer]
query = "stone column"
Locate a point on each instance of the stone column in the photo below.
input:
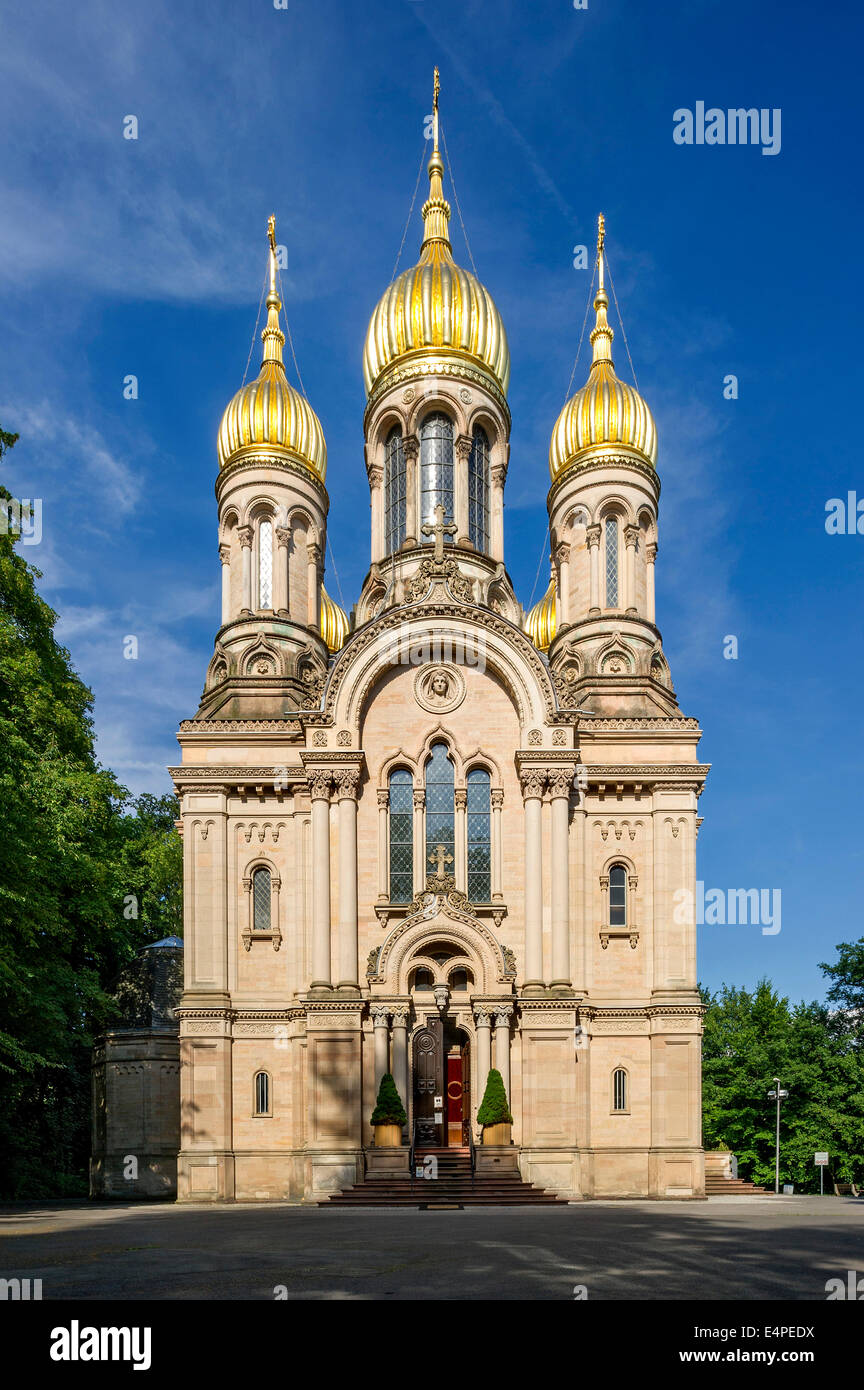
(651, 556)
(244, 535)
(319, 789)
(592, 536)
(461, 833)
(497, 845)
(533, 781)
(400, 1052)
(562, 555)
(381, 1022)
(383, 844)
(502, 1043)
(376, 484)
(313, 584)
(280, 576)
(631, 538)
(419, 839)
(225, 557)
(497, 474)
(347, 779)
(462, 453)
(411, 446)
(560, 783)
(483, 1023)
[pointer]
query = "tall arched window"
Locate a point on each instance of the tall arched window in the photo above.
(401, 836)
(619, 1089)
(265, 564)
(440, 812)
(262, 1093)
(479, 836)
(617, 896)
(478, 490)
(261, 900)
(394, 490)
(436, 467)
(611, 562)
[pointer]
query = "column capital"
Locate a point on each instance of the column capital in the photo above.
(383, 794)
(532, 781)
(347, 779)
(498, 474)
(380, 1015)
(320, 781)
(503, 1015)
(244, 536)
(376, 475)
(462, 447)
(592, 535)
(560, 781)
(314, 552)
(562, 552)
(497, 794)
(651, 551)
(400, 1014)
(419, 798)
(483, 1016)
(225, 553)
(411, 448)
(460, 798)
(283, 536)
(631, 535)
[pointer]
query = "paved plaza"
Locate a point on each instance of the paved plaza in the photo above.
(724, 1249)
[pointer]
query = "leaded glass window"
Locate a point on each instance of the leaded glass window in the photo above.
(617, 896)
(401, 836)
(478, 490)
(265, 564)
(619, 1089)
(611, 562)
(479, 836)
(262, 1093)
(436, 467)
(394, 490)
(261, 900)
(440, 812)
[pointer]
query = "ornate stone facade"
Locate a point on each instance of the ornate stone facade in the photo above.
(500, 835)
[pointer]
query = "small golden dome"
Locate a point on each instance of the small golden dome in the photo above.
(334, 623)
(607, 414)
(268, 413)
(435, 308)
(541, 624)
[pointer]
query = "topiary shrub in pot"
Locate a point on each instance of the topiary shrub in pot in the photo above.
(494, 1113)
(389, 1116)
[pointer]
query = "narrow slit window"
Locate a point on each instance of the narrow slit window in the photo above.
(617, 896)
(611, 562)
(265, 564)
(479, 836)
(401, 836)
(261, 899)
(619, 1089)
(394, 490)
(262, 1093)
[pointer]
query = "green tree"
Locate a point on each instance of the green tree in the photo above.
(847, 988)
(389, 1109)
(494, 1109)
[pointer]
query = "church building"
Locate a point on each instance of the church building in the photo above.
(441, 834)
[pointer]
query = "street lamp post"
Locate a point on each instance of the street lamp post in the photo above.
(777, 1095)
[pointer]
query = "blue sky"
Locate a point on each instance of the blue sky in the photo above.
(147, 257)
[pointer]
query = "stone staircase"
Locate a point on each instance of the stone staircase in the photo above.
(716, 1186)
(454, 1187)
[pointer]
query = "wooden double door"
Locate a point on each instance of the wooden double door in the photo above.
(442, 1085)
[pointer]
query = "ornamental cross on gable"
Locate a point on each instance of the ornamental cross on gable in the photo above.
(442, 858)
(441, 529)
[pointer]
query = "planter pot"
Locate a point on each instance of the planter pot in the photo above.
(388, 1136)
(496, 1134)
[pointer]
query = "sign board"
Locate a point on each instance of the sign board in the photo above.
(439, 1119)
(788, 1189)
(820, 1159)
(439, 1102)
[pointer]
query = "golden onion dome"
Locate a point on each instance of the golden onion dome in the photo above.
(334, 623)
(606, 415)
(541, 623)
(268, 413)
(435, 316)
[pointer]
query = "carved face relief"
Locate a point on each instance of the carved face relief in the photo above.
(439, 689)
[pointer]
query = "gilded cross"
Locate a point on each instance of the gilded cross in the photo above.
(440, 855)
(439, 531)
(271, 231)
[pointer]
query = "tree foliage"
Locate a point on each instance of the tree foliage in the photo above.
(749, 1039)
(389, 1109)
(84, 884)
(494, 1109)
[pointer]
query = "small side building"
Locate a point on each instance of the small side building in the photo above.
(136, 1082)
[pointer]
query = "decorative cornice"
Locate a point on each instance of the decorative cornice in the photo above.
(603, 462)
(263, 459)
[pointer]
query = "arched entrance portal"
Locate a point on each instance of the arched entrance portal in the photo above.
(442, 1084)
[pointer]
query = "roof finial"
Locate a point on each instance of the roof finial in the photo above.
(601, 333)
(436, 210)
(273, 338)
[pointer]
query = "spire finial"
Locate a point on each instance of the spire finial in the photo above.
(273, 338)
(601, 334)
(436, 210)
